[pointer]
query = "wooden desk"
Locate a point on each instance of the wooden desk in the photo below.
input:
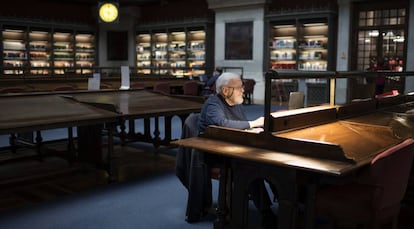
(90, 112)
(139, 104)
(282, 158)
(29, 113)
(32, 113)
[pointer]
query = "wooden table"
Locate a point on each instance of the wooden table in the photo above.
(34, 113)
(41, 112)
(334, 148)
(91, 112)
(144, 104)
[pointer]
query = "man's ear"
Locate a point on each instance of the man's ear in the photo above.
(224, 91)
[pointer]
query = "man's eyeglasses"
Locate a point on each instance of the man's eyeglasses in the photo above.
(237, 88)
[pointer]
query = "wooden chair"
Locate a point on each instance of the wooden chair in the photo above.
(248, 90)
(64, 88)
(296, 100)
(105, 86)
(374, 197)
(195, 174)
(162, 87)
(12, 90)
(137, 85)
(190, 88)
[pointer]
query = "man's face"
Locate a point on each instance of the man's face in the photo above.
(233, 92)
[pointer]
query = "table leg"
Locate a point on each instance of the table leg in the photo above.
(71, 145)
(167, 129)
(110, 129)
(156, 140)
(310, 205)
(13, 143)
(39, 142)
(222, 209)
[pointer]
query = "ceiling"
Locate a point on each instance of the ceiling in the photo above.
(121, 2)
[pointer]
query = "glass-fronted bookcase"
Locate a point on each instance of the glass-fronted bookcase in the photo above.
(180, 50)
(41, 49)
(302, 41)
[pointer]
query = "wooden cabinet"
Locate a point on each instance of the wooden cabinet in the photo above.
(180, 51)
(46, 50)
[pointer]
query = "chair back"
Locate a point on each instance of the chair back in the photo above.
(249, 85)
(296, 100)
(190, 126)
(12, 90)
(64, 88)
(183, 156)
(105, 86)
(163, 88)
(137, 85)
(390, 171)
(190, 88)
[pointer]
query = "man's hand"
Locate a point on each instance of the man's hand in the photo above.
(257, 123)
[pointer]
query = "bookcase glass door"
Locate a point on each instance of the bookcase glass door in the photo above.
(39, 51)
(143, 52)
(14, 50)
(63, 52)
(196, 51)
(313, 45)
(159, 53)
(283, 45)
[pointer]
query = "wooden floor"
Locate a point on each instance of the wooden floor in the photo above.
(29, 181)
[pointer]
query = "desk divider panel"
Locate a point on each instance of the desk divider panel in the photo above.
(284, 145)
(390, 101)
(304, 117)
(357, 108)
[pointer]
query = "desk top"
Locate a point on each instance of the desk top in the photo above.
(140, 103)
(28, 113)
(335, 147)
(399, 118)
(244, 152)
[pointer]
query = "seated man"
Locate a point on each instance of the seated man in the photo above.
(211, 82)
(225, 109)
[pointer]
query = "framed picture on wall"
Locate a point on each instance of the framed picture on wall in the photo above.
(117, 45)
(239, 41)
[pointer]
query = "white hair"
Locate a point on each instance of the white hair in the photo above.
(224, 79)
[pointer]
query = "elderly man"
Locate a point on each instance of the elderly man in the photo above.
(226, 109)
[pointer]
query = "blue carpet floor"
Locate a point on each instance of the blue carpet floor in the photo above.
(155, 203)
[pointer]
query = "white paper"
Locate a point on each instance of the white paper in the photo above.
(94, 84)
(125, 78)
(96, 75)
